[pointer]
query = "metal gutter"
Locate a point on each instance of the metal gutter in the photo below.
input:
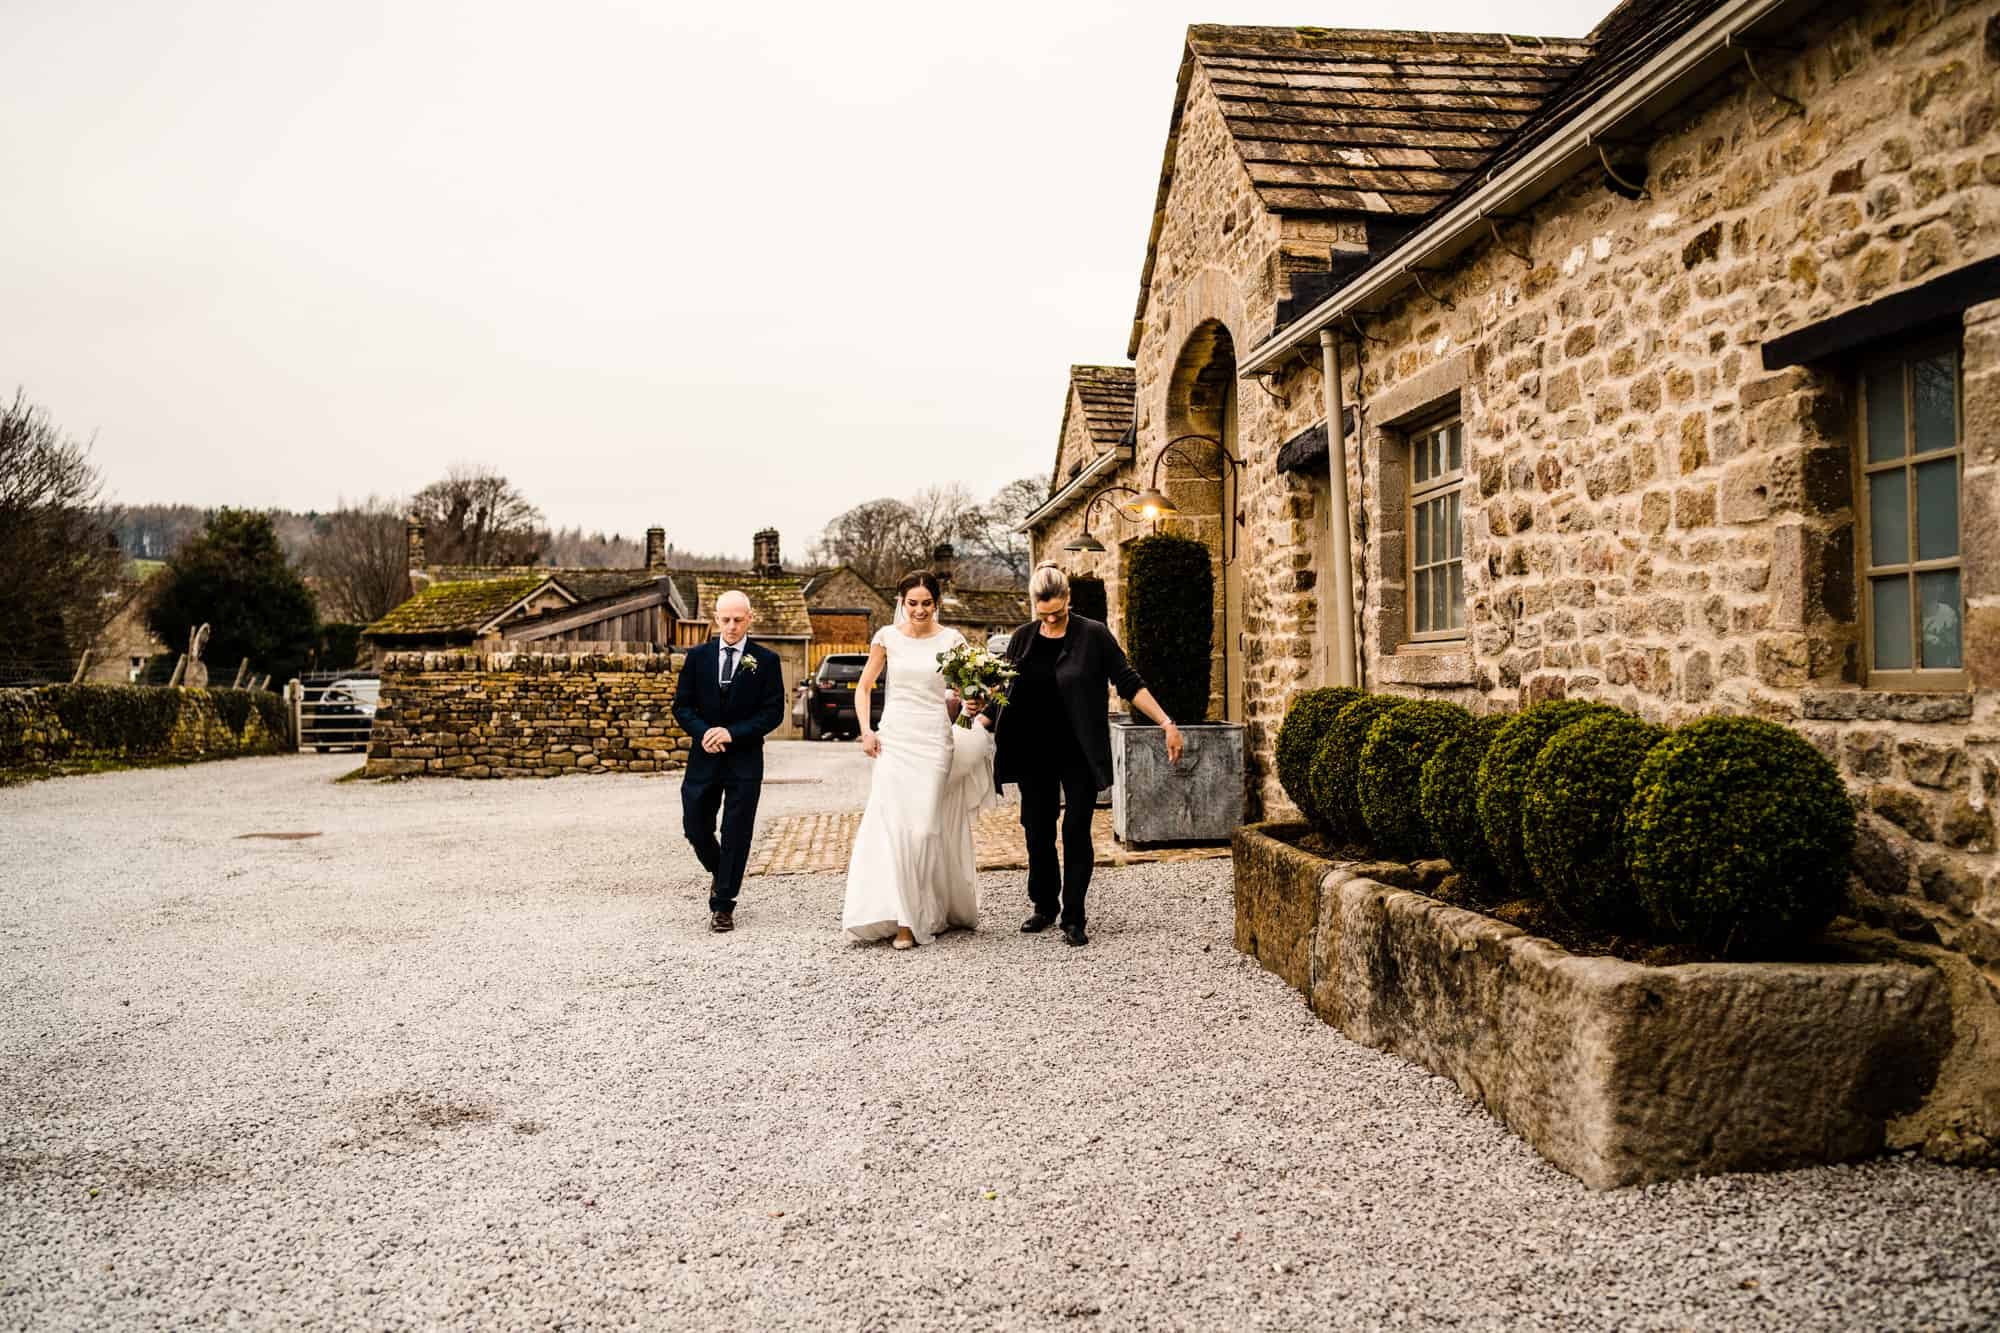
(1062, 499)
(1667, 78)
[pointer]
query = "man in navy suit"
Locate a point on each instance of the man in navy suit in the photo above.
(730, 694)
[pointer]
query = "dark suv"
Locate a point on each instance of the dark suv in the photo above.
(830, 697)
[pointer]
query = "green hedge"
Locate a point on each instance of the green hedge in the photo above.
(1391, 767)
(1740, 835)
(1503, 781)
(1573, 819)
(1170, 621)
(1308, 716)
(1336, 769)
(1087, 598)
(52, 723)
(1445, 796)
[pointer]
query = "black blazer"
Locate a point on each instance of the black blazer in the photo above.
(753, 705)
(1089, 661)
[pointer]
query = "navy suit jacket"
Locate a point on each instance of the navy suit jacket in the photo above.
(752, 705)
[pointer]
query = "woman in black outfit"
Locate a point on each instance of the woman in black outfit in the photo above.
(1054, 741)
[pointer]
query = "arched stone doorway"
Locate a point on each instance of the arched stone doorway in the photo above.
(1201, 400)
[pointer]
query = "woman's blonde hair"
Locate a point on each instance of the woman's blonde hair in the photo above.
(1047, 582)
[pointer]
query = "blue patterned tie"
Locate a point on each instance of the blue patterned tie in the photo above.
(728, 665)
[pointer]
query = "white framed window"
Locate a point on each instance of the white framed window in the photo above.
(1909, 468)
(1436, 531)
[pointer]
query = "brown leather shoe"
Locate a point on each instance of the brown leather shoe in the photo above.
(722, 922)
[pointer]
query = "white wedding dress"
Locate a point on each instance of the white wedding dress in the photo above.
(913, 863)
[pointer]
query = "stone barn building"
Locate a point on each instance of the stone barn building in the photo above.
(1663, 368)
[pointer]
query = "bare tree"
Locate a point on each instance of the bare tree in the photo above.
(879, 539)
(476, 517)
(62, 561)
(989, 534)
(571, 548)
(357, 559)
(938, 514)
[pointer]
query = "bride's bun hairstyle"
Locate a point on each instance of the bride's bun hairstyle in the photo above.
(920, 578)
(1048, 582)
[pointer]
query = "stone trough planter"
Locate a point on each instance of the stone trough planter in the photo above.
(1616, 1072)
(1200, 799)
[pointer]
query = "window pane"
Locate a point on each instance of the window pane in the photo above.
(1888, 518)
(1439, 533)
(1885, 413)
(1420, 458)
(1457, 594)
(1421, 544)
(1420, 598)
(1892, 623)
(1455, 534)
(1937, 509)
(1937, 594)
(1935, 399)
(1438, 620)
(1457, 453)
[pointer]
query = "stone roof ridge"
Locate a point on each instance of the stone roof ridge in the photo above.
(1377, 124)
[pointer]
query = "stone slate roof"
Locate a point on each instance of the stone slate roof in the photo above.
(986, 606)
(777, 605)
(587, 584)
(1374, 124)
(456, 606)
(1106, 394)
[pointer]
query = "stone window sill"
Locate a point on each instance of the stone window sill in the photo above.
(1411, 665)
(1885, 706)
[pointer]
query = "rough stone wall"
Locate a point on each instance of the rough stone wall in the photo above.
(509, 715)
(1651, 518)
(841, 628)
(845, 589)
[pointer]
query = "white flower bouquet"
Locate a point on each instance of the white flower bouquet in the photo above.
(977, 675)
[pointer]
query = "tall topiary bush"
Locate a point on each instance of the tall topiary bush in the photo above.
(1503, 781)
(1170, 621)
(1391, 767)
(1087, 598)
(1311, 712)
(1573, 818)
(1335, 769)
(1740, 834)
(1446, 796)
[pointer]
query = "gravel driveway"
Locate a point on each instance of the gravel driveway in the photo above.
(470, 1056)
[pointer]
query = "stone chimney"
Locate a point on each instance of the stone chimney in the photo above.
(943, 558)
(764, 560)
(413, 544)
(656, 548)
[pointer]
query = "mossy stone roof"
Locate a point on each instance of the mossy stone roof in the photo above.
(457, 607)
(777, 605)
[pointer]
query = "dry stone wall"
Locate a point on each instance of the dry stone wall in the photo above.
(506, 715)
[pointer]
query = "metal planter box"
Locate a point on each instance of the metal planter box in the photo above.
(1201, 799)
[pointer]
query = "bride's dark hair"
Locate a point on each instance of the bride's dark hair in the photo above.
(920, 578)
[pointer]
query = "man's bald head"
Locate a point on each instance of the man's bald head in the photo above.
(732, 616)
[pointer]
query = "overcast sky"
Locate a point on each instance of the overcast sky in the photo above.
(712, 267)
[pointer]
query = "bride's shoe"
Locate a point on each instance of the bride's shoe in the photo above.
(903, 940)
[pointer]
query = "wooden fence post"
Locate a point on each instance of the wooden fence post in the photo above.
(82, 664)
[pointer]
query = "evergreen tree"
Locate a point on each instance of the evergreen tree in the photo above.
(235, 579)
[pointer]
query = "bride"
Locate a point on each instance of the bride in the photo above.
(913, 873)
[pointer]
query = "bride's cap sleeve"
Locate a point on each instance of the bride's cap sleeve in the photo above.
(881, 639)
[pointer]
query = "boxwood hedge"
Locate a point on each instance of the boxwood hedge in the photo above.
(1336, 768)
(1391, 767)
(1503, 781)
(1311, 712)
(1573, 818)
(1445, 795)
(1740, 833)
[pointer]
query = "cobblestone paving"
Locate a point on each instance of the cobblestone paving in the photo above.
(820, 842)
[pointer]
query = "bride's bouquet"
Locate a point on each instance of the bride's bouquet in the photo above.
(976, 674)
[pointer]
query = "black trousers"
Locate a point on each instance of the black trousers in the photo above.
(732, 787)
(1059, 890)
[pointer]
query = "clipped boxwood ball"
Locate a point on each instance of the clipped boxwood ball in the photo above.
(1306, 720)
(1573, 819)
(1335, 768)
(1503, 780)
(1392, 765)
(1445, 796)
(1740, 833)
